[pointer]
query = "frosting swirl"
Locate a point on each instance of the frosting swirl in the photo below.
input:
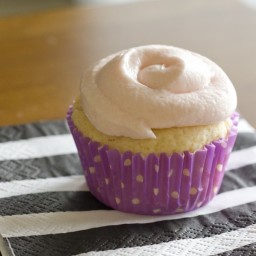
(136, 90)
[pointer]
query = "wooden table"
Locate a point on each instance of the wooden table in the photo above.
(42, 55)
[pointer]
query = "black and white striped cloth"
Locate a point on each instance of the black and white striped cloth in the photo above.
(46, 208)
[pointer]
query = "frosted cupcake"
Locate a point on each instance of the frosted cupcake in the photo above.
(154, 127)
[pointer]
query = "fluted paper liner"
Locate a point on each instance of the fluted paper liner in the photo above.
(156, 184)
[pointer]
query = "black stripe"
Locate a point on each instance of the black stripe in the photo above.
(245, 140)
(65, 165)
(83, 201)
(46, 167)
(247, 250)
(113, 237)
(77, 201)
(239, 178)
(25, 131)
(56, 127)
(50, 202)
(122, 236)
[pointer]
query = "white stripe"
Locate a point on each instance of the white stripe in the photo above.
(62, 222)
(77, 183)
(57, 145)
(22, 187)
(241, 158)
(193, 247)
(37, 147)
(3, 248)
(244, 126)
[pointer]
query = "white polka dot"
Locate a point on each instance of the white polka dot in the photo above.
(156, 191)
(193, 191)
(127, 162)
(139, 178)
(135, 201)
(97, 159)
(92, 169)
(156, 210)
(118, 200)
(215, 190)
(219, 167)
(175, 195)
(156, 168)
(106, 181)
(186, 172)
(179, 210)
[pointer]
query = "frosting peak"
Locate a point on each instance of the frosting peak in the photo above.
(155, 86)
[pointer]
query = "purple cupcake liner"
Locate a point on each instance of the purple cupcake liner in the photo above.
(153, 185)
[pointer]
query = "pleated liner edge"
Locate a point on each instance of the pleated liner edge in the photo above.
(156, 184)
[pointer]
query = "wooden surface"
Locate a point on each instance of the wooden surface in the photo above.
(43, 55)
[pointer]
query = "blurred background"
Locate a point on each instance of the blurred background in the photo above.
(46, 45)
(12, 7)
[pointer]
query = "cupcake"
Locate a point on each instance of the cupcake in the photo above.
(154, 127)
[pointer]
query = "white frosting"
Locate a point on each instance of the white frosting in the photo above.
(155, 86)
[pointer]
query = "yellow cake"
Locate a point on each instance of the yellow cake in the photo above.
(168, 140)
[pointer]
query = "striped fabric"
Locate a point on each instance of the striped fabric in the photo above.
(46, 208)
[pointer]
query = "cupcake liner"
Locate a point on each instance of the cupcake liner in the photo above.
(153, 185)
